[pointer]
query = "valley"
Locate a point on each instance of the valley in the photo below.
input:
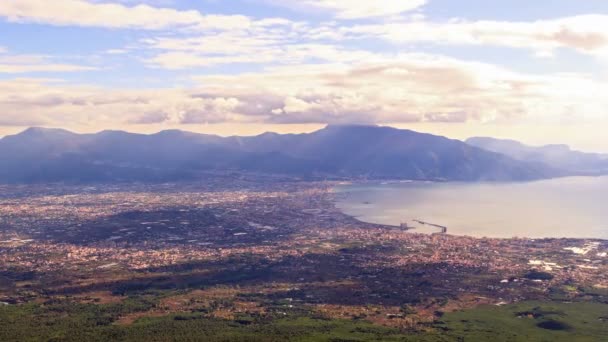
(268, 256)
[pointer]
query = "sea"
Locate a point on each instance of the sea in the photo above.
(574, 207)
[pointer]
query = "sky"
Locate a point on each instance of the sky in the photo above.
(536, 71)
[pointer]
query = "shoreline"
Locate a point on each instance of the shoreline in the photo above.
(335, 200)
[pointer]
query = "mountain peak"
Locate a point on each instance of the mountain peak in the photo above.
(35, 131)
(349, 126)
(173, 132)
(115, 132)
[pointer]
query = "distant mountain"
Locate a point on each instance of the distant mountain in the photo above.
(335, 152)
(556, 156)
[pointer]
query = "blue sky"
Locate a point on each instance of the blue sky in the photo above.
(531, 70)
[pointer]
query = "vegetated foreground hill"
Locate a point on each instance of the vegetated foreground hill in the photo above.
(526, 321)
(556, 156)
(49, 155)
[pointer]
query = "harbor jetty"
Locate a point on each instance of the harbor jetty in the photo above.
(443, 229)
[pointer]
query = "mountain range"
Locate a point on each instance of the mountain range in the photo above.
(560, 157)
(335, 152)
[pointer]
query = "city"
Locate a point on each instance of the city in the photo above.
(262, 248)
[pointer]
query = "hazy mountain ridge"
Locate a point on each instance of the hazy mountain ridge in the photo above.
(556, 156)
(39, 155)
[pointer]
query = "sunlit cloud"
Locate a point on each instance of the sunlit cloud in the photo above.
(406, 88)
(413, 88)
(355, 9)
(586, 34)
(19, 63)
(113, 15)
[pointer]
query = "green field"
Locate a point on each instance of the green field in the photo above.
(528, 321)
(531, 321)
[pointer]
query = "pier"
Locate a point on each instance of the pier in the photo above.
(443, 229)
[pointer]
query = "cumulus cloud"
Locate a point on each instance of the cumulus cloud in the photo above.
(56, 103)
(406, 88)
(410, 88)
(151, 117)
(213, 110)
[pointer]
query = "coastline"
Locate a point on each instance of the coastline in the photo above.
(365, 210)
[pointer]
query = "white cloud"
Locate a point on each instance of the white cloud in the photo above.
(355, 9)
(113, 15)
(210, 54)
(412, 88)
(236, 46)
(586, 33)
(116, 51)
(16, 63)
(27, 68)
(55, 103)
(267, 41)
(407, 88)
(282, 42)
